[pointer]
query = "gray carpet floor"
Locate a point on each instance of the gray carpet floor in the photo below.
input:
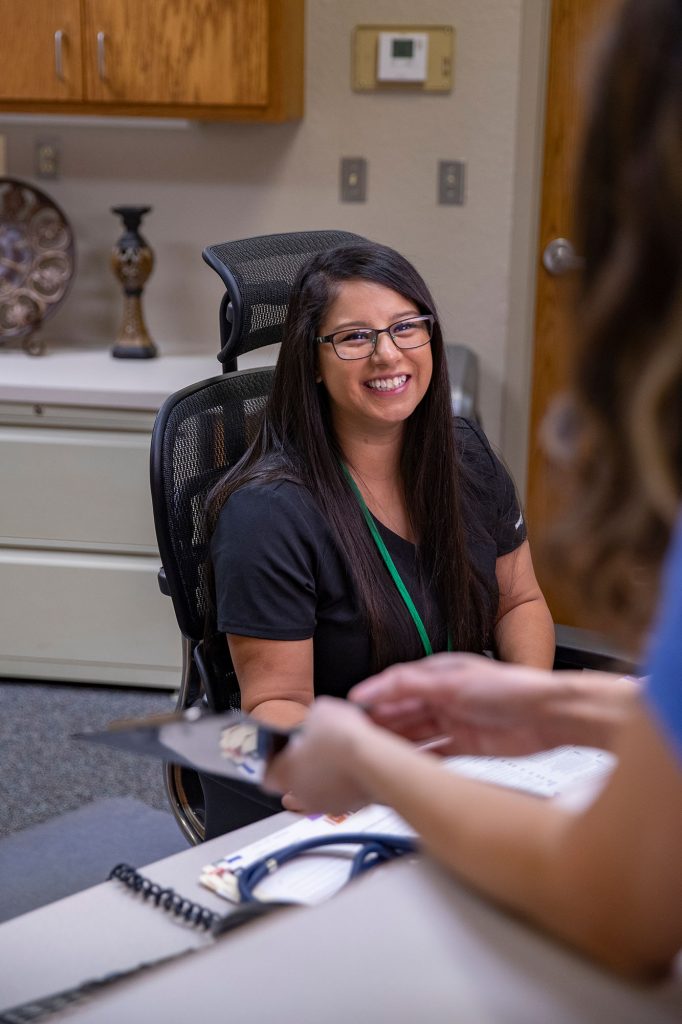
(44, 772)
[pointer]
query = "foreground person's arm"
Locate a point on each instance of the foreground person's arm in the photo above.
(486, 707)
(607, 881)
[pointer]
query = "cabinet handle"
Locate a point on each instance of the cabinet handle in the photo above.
(58, 49)
(101, 63)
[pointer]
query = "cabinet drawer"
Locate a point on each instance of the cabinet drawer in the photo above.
(82, 490)
(87, 617)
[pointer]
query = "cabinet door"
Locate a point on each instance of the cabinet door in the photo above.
(170, 52)
(40, 50)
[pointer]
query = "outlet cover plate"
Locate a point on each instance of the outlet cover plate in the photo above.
(451, 175)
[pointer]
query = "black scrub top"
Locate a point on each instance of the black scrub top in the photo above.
(280, 576)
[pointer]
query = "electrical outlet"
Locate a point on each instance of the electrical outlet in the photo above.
(47, 159)
(353, 179)
(451, 182)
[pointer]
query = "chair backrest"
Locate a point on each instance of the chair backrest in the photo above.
(199, 433)
(258, 274)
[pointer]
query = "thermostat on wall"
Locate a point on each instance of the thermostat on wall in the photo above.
(402, 56)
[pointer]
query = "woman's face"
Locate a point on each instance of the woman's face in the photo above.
(379, 392)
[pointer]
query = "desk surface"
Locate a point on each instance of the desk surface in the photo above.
(403, 944)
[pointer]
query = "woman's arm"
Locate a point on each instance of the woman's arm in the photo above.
(607, 881)
(524, 631)
(265, 550)
(489, 707)
(275, 677)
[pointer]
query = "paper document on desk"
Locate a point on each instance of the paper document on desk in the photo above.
(550, 773)
(317, 876)
(314, 877)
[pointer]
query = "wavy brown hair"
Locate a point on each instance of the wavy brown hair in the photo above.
(626, 427)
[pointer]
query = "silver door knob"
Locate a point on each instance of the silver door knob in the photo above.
(560, 257)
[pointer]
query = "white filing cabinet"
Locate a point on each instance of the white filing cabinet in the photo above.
(78, 555)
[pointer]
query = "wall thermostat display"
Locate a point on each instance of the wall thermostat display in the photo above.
(402, 56)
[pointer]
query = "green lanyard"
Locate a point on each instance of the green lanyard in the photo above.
(390, 565)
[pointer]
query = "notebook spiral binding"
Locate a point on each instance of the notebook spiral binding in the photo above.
(166, 898)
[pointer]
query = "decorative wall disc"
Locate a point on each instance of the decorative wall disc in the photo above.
(37, 258)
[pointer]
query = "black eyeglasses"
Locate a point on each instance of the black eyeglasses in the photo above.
(360, 342)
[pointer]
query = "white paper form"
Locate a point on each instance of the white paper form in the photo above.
(550, 773)
(314, 877)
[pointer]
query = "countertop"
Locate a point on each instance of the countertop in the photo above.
(92, 377)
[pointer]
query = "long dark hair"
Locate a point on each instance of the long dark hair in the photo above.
(297, 441)
(628, 371)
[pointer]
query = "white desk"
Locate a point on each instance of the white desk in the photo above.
(403, 944)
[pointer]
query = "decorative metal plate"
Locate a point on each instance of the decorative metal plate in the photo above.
(37, 258)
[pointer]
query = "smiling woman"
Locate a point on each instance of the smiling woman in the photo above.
(365, 525)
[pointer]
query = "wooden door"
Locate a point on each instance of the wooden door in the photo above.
(40, 50)
(577, 27)
(177, 51)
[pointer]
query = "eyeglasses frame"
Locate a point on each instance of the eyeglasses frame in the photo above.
(328, 339)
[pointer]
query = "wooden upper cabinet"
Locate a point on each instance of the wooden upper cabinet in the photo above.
(204, 59)
(172, 51)
(40, 50)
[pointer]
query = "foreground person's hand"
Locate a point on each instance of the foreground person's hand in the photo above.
(480, 706)
(318, 770)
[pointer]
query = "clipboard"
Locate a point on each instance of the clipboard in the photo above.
(233, 745)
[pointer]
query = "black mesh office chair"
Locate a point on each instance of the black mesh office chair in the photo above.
(199, 433)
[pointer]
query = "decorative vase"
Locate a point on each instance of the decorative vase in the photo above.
(132, 261)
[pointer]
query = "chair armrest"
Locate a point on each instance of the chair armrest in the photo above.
(163, 582)
(581, 648)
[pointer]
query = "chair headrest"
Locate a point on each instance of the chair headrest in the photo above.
(258, 274)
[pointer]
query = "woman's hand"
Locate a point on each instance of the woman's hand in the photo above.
(320, 764)
(480, 706)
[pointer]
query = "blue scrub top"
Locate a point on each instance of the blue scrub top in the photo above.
(664, 689)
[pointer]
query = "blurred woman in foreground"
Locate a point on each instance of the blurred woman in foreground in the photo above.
(607, 880)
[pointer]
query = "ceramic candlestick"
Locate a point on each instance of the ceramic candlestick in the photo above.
(132, 261)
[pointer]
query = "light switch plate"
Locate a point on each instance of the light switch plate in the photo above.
(353, 179)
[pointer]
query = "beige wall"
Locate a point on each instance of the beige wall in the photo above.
(208, 183)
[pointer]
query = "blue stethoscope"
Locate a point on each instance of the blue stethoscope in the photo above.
(374, 848)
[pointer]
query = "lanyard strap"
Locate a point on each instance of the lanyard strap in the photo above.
(390, 565)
